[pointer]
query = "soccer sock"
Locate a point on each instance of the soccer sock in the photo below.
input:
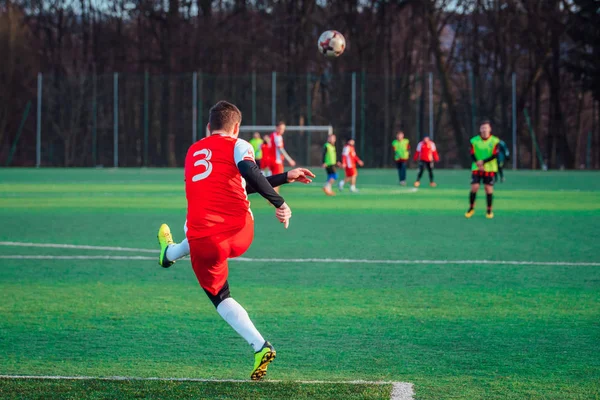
(472, 197)
(489, 202)
(341, 184)
(178, 250)
(352, 187)
(236, 316)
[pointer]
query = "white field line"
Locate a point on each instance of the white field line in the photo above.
(246, 259)
(400, 390)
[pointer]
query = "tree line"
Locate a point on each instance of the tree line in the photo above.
(471, 47)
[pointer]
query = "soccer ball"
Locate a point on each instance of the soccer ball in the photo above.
(331, 44)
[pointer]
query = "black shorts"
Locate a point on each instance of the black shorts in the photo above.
(330, 169)
(486, 177)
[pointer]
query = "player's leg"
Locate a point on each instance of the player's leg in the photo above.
(353, 188)
(331, 178)
(209, 261)
(342, 182)
(277, 169)
(473, 194)
(500, 173)
(430, 171)
(489, 194)
(402, 172)
(420, 173)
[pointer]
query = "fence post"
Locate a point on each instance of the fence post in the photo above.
(354, 106)
(194, 107)
(514, 119)
(94, 120)
(201, 126)
(431, 134)
(308, 116)
(363, 90)
(116, 119)
(473, 108)
(38, 140)
(254, 98)
(273, 97)
(146, 115)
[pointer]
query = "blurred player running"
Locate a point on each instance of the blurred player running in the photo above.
(266, 153)
(278, 153)
(401, 149)
(426, 154)
(220, 224)
(329, 163)
(257, 144)
(349, 161)
(484, 152)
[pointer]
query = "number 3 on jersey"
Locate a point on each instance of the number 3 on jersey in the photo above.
(205, 162)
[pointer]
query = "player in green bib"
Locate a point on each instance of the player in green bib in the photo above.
(256, 143)
(484, 152)
(401, 149)
(329, 163)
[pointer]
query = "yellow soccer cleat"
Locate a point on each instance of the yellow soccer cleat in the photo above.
(262, 359)
(164, 240)
(489, 215)
(470, 213)
(417, 184)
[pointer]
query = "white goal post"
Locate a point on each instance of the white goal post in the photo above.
(303, 143)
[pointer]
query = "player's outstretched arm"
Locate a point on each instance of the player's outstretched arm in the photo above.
(301, 175)
(251, 173)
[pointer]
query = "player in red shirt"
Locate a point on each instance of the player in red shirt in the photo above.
(426, 154)
(266, 151)
(278, 153)
(220, 225)
(349, 161)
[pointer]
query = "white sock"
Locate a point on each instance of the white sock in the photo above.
(178, 250)
(352, 187)
(342, 184)
(328, 186)
(235, 315)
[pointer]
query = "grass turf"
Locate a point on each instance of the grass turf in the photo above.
(455, 331)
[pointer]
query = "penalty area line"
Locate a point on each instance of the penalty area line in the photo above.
(400, 390)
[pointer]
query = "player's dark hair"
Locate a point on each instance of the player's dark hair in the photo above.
(348, 138)
(281, 123)
(223, 116)
(485, 121)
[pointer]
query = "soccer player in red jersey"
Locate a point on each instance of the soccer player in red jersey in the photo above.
(220, 225)
(349, 162)
(278, 153)
(426, 154)
(266, 151)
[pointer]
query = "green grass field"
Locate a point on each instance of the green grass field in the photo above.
(456, 330)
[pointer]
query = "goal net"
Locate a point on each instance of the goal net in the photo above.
(303, 143)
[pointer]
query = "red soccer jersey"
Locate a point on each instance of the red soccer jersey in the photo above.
(349, 157)
(426, 151)
(266, 159)
(276, 144)
(215, 190)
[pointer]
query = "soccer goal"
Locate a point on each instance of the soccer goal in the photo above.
(303, 143)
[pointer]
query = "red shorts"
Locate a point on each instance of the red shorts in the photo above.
(276, 168)
(350, 172)
(209, 254)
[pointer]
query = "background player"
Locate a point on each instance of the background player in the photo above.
(266, 153)
(484, 152)
(219, 221)
(278, 153)
(349, 161)
(257, 143)
(426, 154)
(401, 148)
(329, 163)
(503, 156)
